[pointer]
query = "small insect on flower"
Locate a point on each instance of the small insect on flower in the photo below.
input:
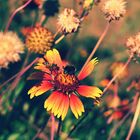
(39, 40)
(65, 85)
(10, 48)
(133, 45)
(114, 9)
(68, 21)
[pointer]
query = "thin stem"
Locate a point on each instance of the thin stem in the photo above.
(96, 47)
(57, 32)
(59, 39)
(124, 118)
(39, 131)
(19, 76)
(53, 127)
(76, 126)
(15, 82)
(118, 125)
(133, 124)
(59, 129)
(43, 17)
(19, 73)
(15, 12)
(119, 72)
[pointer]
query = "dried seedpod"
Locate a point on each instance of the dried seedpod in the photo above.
(68, 21)
(39, 40)
(113, 9)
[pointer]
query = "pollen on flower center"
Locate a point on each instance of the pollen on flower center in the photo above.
(66, 82)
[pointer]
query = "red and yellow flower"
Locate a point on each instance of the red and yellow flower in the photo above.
(61, 79)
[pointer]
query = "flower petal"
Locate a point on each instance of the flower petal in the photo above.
(87, 69)
(66, 107)
(41, 66)
(36, 76)
(50, 101)
(49, 57)
(57, 58)
(39, 89)
(61, 107)
(89, 91)
(53, 57)
(47, 77)
(76, 105)
(57, 103)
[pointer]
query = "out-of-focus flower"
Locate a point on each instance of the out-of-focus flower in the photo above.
(68, 21)
(10, 48)
(117, 108)
(115, 101)
(105, 82)
(39, 2)
(116, 67)
(114, 9)
(26, 30)
(135, 84)
(83, 52)
(39, 40)
(64, 83)
(113, 115)
(88, 4)
(133, 45)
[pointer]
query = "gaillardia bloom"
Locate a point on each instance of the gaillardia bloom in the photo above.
(10, 48)
(39, 40)
(68, 21)
(114, 9)
(65, 85)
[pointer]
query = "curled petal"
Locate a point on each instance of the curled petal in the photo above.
(87, 69)
(89, 91)
(39, 89)
(49, 57)
(76, 105)
(53, 57)
(57, 58)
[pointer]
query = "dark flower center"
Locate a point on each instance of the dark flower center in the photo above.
(66, 81)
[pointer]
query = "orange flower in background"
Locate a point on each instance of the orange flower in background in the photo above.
(115, 67)
(61, 79)
(135, 84)
(117, 108)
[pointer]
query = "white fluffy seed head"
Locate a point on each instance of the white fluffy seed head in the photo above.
(10, 48)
